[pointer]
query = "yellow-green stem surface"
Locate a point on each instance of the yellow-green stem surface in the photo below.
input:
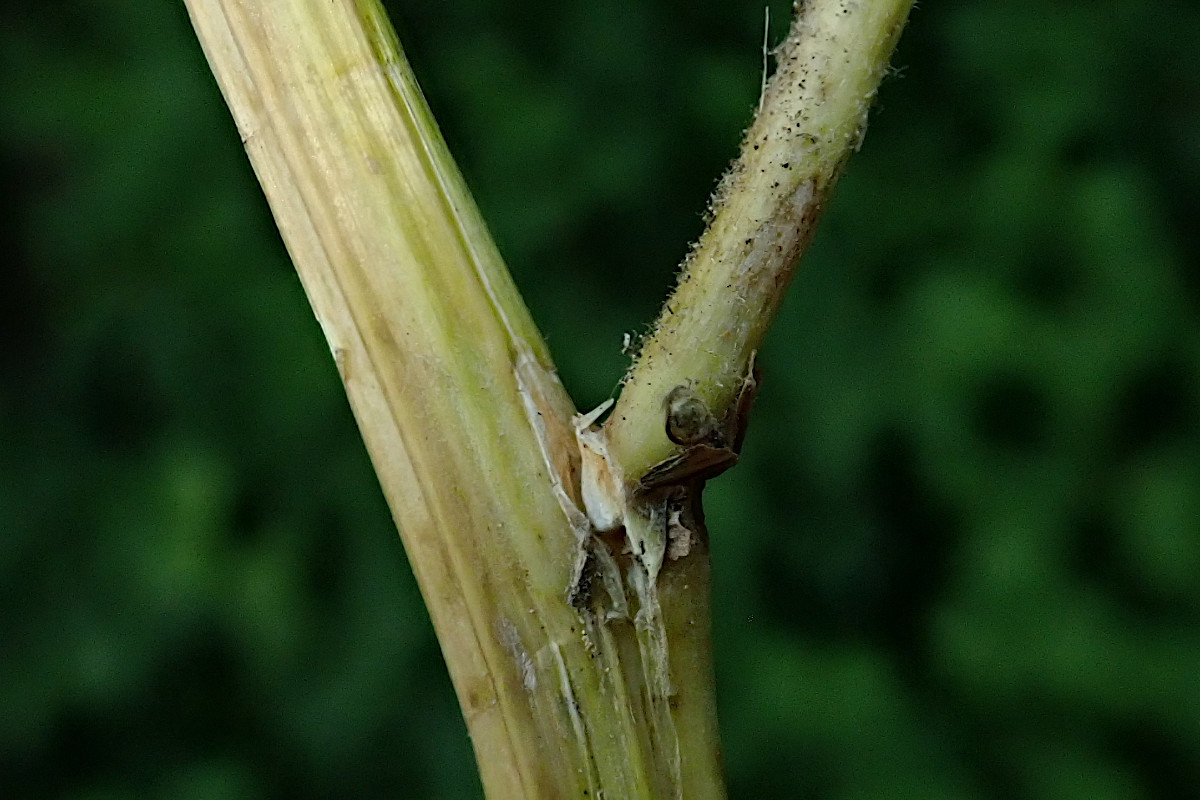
(812, 115)
(583, 665)
(469, 430)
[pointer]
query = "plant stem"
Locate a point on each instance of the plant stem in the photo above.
(812, 115)
(470, 432)
(578, 642)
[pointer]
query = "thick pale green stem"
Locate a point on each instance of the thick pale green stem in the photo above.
(813, 114)
(427, 329)
(471, 434)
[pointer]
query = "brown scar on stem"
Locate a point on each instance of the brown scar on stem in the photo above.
(708, 448)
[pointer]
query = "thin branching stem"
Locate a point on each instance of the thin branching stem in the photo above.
(812, 116)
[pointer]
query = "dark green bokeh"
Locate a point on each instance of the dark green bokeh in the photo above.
(961, 558)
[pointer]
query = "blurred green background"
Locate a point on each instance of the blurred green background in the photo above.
(961, 558)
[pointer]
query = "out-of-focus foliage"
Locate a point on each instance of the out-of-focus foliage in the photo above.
(961, 558)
